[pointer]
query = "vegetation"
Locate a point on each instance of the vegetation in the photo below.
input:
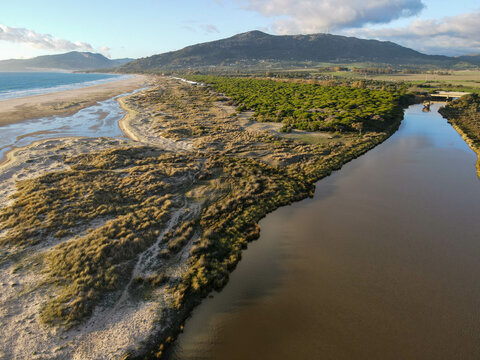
(124, 193)
(310, 106)
(464, 114)
(128, 196)
(254, 174)
(258, 50)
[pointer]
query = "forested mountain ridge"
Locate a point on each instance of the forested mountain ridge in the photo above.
(256, 46)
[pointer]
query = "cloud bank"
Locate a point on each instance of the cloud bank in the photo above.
(41, 41)
(313, 16)
(455, 35)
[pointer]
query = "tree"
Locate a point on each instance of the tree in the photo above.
(358, 126)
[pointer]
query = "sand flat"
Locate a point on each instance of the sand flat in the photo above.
(64, 102)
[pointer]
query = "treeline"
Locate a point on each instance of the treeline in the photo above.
(311, 106)
(390, 70)
(376, 71)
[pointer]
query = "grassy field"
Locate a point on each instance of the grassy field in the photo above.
(459, 77)
(461, 80)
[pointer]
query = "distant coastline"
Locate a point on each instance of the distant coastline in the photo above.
(15, 85)
(66, 102)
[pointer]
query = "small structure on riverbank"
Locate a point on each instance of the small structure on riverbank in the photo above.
(447, 95)
(426, 105)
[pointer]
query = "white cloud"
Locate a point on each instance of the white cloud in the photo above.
(453, 35)
(312, 16)
(42, 41)
(105, 50)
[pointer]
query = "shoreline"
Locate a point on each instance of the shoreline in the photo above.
(470, 144)
(301, 243)
(19, 94)
(158, 345)
(123, 123)
(65, 103)
(106, 335)
(126, 88)
(456, 113)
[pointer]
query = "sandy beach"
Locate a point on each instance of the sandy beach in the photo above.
(64, 102)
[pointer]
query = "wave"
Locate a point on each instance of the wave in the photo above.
(15, 94)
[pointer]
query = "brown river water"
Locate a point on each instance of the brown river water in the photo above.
(383, 263)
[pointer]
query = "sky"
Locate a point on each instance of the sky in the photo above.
(140, 28)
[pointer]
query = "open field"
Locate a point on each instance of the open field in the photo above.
(458, 77)
(463, 79)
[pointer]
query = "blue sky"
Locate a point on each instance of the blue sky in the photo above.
(141, 28)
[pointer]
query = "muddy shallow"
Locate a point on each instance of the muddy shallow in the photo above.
(98, 120)
(383, 263)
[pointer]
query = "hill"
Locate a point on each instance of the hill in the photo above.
(68, 62)
(473, 59)
(256, 47)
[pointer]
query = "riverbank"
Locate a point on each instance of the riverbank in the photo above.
(471, 144)
(150, 230)
(464, 115)
(286, 173)
(65, 103)
(377, 265)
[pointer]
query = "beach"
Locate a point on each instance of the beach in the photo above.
(65, 103)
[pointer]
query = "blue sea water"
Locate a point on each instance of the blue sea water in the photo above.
(21, 84)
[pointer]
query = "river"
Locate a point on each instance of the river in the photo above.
(383, 263)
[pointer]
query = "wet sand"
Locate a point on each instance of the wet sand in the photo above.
(99, 120)
(65, 103)
(35, 145)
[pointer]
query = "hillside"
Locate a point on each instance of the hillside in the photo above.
(69, 61)
(257, 47)
(473, 59)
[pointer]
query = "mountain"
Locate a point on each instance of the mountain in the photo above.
(122, 61)
(66, 62)
(258, 47)
(474, 59)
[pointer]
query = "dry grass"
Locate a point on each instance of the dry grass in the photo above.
(133, 189)
(463, 77)
(127, 195)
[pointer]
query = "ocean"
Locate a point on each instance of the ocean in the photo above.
(21, 84)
